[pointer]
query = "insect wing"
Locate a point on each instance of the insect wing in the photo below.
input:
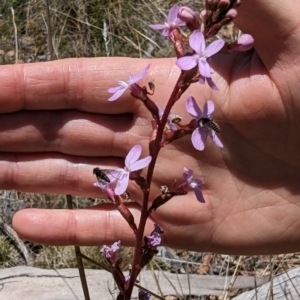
(114, 174)
(101, 175)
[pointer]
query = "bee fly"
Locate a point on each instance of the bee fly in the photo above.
(101, 174)
(208, 123)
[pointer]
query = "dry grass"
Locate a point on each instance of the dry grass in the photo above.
(85, 28)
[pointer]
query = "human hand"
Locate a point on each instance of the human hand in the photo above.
(56, 126)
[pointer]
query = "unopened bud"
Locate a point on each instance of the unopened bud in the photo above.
(191, 18)
(205, 15)
(231, 14)
(187, 14)
(244, 43)
(224, 4)
(211, 4)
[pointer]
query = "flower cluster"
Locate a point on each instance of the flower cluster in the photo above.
(194, 57)
(110, 252)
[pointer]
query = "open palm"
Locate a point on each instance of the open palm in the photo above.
(57, 125)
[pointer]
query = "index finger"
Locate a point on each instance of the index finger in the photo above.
(77, 83)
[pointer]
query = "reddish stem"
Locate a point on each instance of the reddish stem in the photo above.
(177, 92)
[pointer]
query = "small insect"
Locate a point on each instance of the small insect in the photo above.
(151, 85)
(101, 174)
(208, 123)
(176, 119)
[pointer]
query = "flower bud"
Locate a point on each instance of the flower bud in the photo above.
(231, 14)
(211, 4)
(205, 15)
(224, 4)
(244, 43)
(189, 16)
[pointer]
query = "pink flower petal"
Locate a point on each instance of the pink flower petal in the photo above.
(178, 22)
(188, 174)
(245, 42)
(122, 184)
(187, 62)
(173, 12)
(201, 79)
(198, 138)
(208, 109)
(204, 68)
(211, 84)
(158, 26)
(140, 75)
(112, 90)
(199, 195)
(117, 94)
(133, 155)
(197, 41)
(116, 246)
(213, 48)
(215, 138)
(166, 32)
(192, 108)
(140, 164)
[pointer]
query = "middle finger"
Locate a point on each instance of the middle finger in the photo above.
(69, 132)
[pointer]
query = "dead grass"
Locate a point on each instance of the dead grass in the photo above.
(85, 28)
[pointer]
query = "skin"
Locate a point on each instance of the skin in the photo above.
(57, 125)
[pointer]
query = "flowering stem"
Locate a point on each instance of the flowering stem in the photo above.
(177, 92)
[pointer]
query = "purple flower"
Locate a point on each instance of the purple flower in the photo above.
(132, 163)
(202, 53)
(195, 184)
(110, 252)
(143, 295)
(172, 22)
(123, 86)
(154, 239)
(204, 118)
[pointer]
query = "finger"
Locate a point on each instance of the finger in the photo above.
(70, 132)
(57, 174)
(76, 84)
(97, 226)
(273, 24)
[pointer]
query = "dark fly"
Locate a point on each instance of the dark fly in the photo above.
(101, 174)
(208, 123)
